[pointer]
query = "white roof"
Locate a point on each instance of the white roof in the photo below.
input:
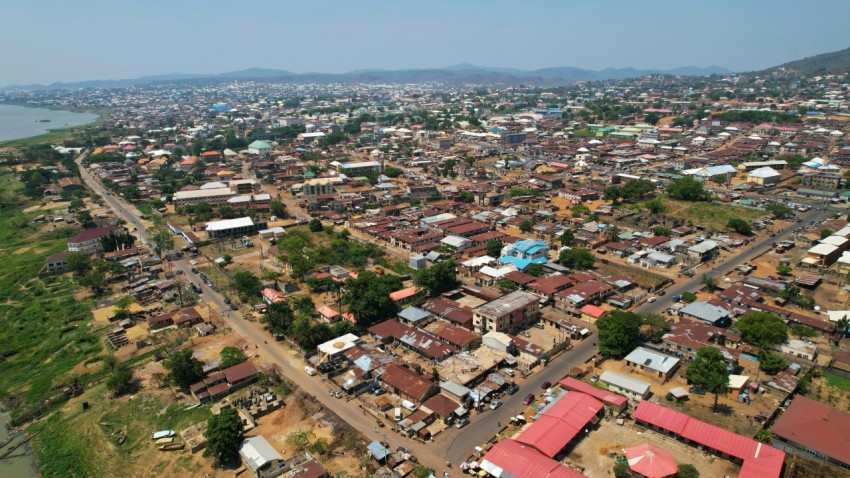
(703, 246)
(738, 381)
(765, 172)
(226, 224)
(652, 359)
(214, 185)
(478, 261)
(836, 315)
(257, 451)
(834, 240)
(339, 344)
(455, 241)
(202, 193)
(823, 249)
(625, 382)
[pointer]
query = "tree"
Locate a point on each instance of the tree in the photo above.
(535, 270)
(231, 356)
(279, 317)
(653, 327)
(163, 240)
(526, 226)
(120, 381)
(621, 470)
(709, 372)
(771, 363)
(494, 248)
(689, 297)
(506, 285)
(619, 333)
(368, 297)
(708, 282)
(611, 193)
(94, 280)
(122, 305)
(79, 262)
(688, 189)
(764, 435)
(577, 258)
(612, 233)
(579, 209)
(686, 470)
(76, 205)
(662, 231)
(466, 197)
(315, 225)
(85, 219)
(740, 226)
(567, 238)
(655, 206)
(762, 329)
(247, 284)
(184, 369)
(438, 278)
(783, 269)
(277, 208)
(224, 436)
(420, 471)
(825, 232)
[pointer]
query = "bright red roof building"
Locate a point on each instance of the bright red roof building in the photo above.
(609, 398)
(561, 423)
(509, 458)
(651, 461)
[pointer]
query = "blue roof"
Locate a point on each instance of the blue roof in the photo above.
(521, 264)
(378, 450)
(530, 246)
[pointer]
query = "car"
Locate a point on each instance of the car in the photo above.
(545, 385)
(652, 299)
(661, 292)
(528, 399)
(594, 378)
(378, 391)
(227, 300)
(194, 270)
(495, 404)
(508, 372)
(696, 390)
(234, 306)
(512, 389)
(310, 371)
(462, 423)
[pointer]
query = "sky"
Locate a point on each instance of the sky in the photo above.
(44, 41)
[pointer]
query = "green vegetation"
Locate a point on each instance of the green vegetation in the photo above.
(577, 258)
(709, 372)
(837, 381)
(619, 333)
(688, 189)
(758, 117)
(367, 297)
(438, 278)
(224, 437)
(184, 369)
(494, 248)
(689, 297)
(762, 329)
(740, 226)
(231, 356)
(633, 190)
(832, 62)
(771, 363)
(708, 214)
(686, 470)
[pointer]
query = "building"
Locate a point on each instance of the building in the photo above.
(815, 431)
(261, 458)
(652, 363)
(88, 241)
(241, 226)
(408, 384)
(213, 196)
(525, 252)
(55, 264)
(757, 460)
(219, 384)
(561, 422)
(507, 313)
(764, 176)
(624, 384)
(708, 313)
(610, 399)
(455, 244)
(823, 181)
(511, 459)
(353, 170)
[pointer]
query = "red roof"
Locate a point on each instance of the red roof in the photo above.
(651, 461)
(404, 293)
(817, 426)
(560, 423)
(604, 396)
(523, 462)
(593, 311)
(760, 460)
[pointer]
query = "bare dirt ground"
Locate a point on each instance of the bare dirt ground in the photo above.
(594, 452)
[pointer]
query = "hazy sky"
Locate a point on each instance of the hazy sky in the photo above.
(43, 41)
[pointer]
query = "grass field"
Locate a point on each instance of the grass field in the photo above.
(43, 324)
(77, 442)
(837, 381)
(711, 215)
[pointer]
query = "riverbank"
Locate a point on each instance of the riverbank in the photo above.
(19, 462)
(52, 135)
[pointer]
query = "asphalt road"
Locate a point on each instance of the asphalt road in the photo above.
(753, 250)
(452, 445)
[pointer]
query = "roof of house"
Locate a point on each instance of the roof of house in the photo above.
(227, 224)
(593, 311)
(625, 382)
(405, 293)
(509, 458)
(257, 451)
(760, 460)
(817, 426)
(705, 311)
(407, 381)
(442, 405)
(93, 234)
(604, 396)
(424, 342)
(652, 360)
(560, 423)
(507, 304)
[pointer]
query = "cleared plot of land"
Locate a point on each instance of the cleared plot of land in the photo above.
(710, 215)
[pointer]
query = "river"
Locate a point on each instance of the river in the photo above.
(22, 466)
(22, 122)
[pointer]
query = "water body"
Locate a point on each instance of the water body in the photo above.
(22, 466)
(22, 122)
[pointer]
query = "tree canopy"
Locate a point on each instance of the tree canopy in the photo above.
(231, 356)
(438, 278)
(688, 189)
(224, 436)
(184, 368)
(368, 297)
(577, 258)
(619, 333)
(740, 226)
(762, 329)
(247, 284)
(709, 372)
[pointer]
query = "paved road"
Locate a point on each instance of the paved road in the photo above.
(452, 445)
(753, 250)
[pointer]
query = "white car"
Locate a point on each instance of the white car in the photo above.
(652, 299)
(495, 404)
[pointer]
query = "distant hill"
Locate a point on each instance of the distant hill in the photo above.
(834, 62)
(463, 73)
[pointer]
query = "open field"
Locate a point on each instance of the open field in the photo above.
(711, 215)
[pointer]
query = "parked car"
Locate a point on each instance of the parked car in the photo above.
(233, 306)
(545, 385)
(696, 390)
(495, 404)
(652, 299)
(310, 370)
(461, 423)
(512, 389)
(594, 378)
(528, 399)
